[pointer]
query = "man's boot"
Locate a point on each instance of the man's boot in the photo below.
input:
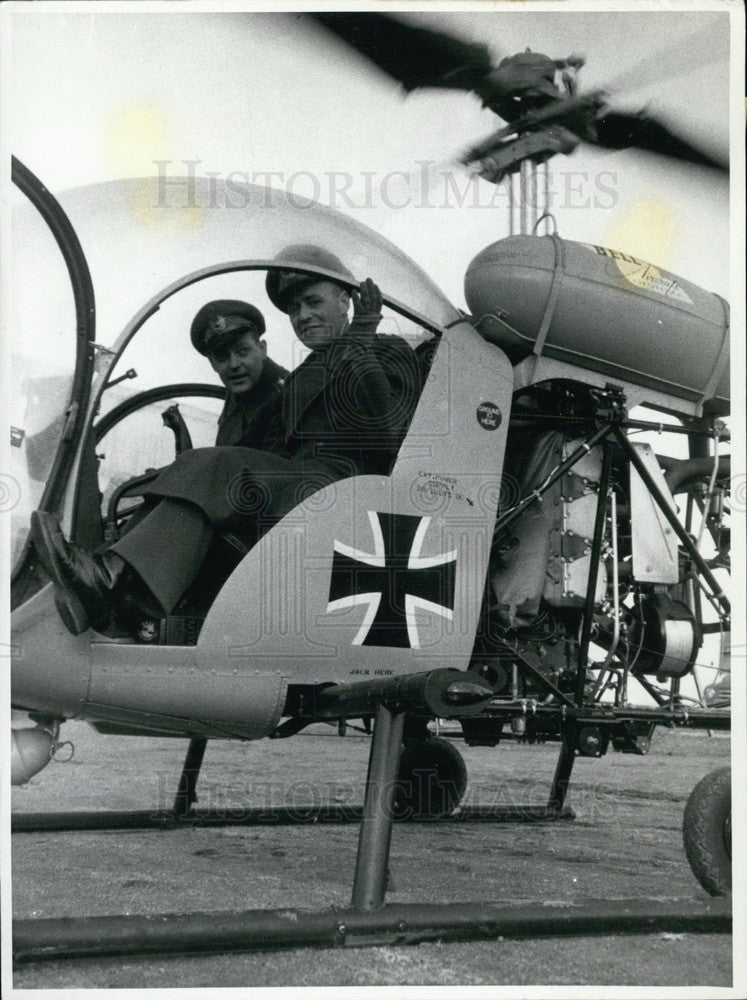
(88, 585)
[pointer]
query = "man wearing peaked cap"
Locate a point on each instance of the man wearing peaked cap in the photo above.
(223, 319)
(343, 412)
(228, 332)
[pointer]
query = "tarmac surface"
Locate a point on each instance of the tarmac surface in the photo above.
(624, 843)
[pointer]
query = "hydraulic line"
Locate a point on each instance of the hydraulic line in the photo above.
(591, 586)
(615, 596)
(709, 494)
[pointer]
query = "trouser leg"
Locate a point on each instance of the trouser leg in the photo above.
(166, 549)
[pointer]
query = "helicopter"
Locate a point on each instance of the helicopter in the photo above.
(567, 575)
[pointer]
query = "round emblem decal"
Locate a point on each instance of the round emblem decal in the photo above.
(489, 416)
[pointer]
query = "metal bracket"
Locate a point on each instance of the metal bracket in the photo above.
(573, 546)
(573, 486)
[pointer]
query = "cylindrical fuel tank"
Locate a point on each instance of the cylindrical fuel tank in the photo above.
(603, 310)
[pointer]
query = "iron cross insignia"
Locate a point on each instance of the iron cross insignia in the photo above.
(394, 581)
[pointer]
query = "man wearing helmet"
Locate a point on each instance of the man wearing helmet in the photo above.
(342, 412)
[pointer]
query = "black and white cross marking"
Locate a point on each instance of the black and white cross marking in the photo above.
(394, 581)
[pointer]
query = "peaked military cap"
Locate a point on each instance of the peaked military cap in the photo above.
(208, 328)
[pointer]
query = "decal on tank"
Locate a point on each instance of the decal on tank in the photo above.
(643, 275)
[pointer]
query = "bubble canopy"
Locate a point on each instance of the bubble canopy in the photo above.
(158, 248)
(144, 234)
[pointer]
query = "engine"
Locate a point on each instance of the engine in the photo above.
(646, 609)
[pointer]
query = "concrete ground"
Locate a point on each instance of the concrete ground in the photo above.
(625, 842)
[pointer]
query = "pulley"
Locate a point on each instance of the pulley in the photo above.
(668, 642)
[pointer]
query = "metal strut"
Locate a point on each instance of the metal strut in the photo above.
(563, 769)
(515, 513)
(186, 794)
(372, 863)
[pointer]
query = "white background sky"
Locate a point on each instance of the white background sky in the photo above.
(99, 95)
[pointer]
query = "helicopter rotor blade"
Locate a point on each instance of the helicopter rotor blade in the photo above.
(414, 56)
(664, 64)
(619, 130)
(421, 57)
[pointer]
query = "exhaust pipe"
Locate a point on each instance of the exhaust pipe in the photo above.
(31, 750)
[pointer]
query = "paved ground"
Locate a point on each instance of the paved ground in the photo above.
(625, 842)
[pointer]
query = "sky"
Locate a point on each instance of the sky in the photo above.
(98, 95)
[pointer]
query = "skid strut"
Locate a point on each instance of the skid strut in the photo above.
(372, 864)
(562, 777)
(186, 794)
(368, 921)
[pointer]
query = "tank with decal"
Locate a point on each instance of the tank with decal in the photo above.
(602, 310)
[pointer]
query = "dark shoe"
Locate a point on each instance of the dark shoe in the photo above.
(86, 583)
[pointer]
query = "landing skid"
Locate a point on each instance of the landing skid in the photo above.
(148, 819)
(395, 924)
(368, 920)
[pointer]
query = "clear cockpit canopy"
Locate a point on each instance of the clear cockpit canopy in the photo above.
(142, 237)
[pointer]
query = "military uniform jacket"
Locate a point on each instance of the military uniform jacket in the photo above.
(238, 424)
(343, 412)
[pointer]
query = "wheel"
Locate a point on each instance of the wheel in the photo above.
(706, 831)
(431, 781)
